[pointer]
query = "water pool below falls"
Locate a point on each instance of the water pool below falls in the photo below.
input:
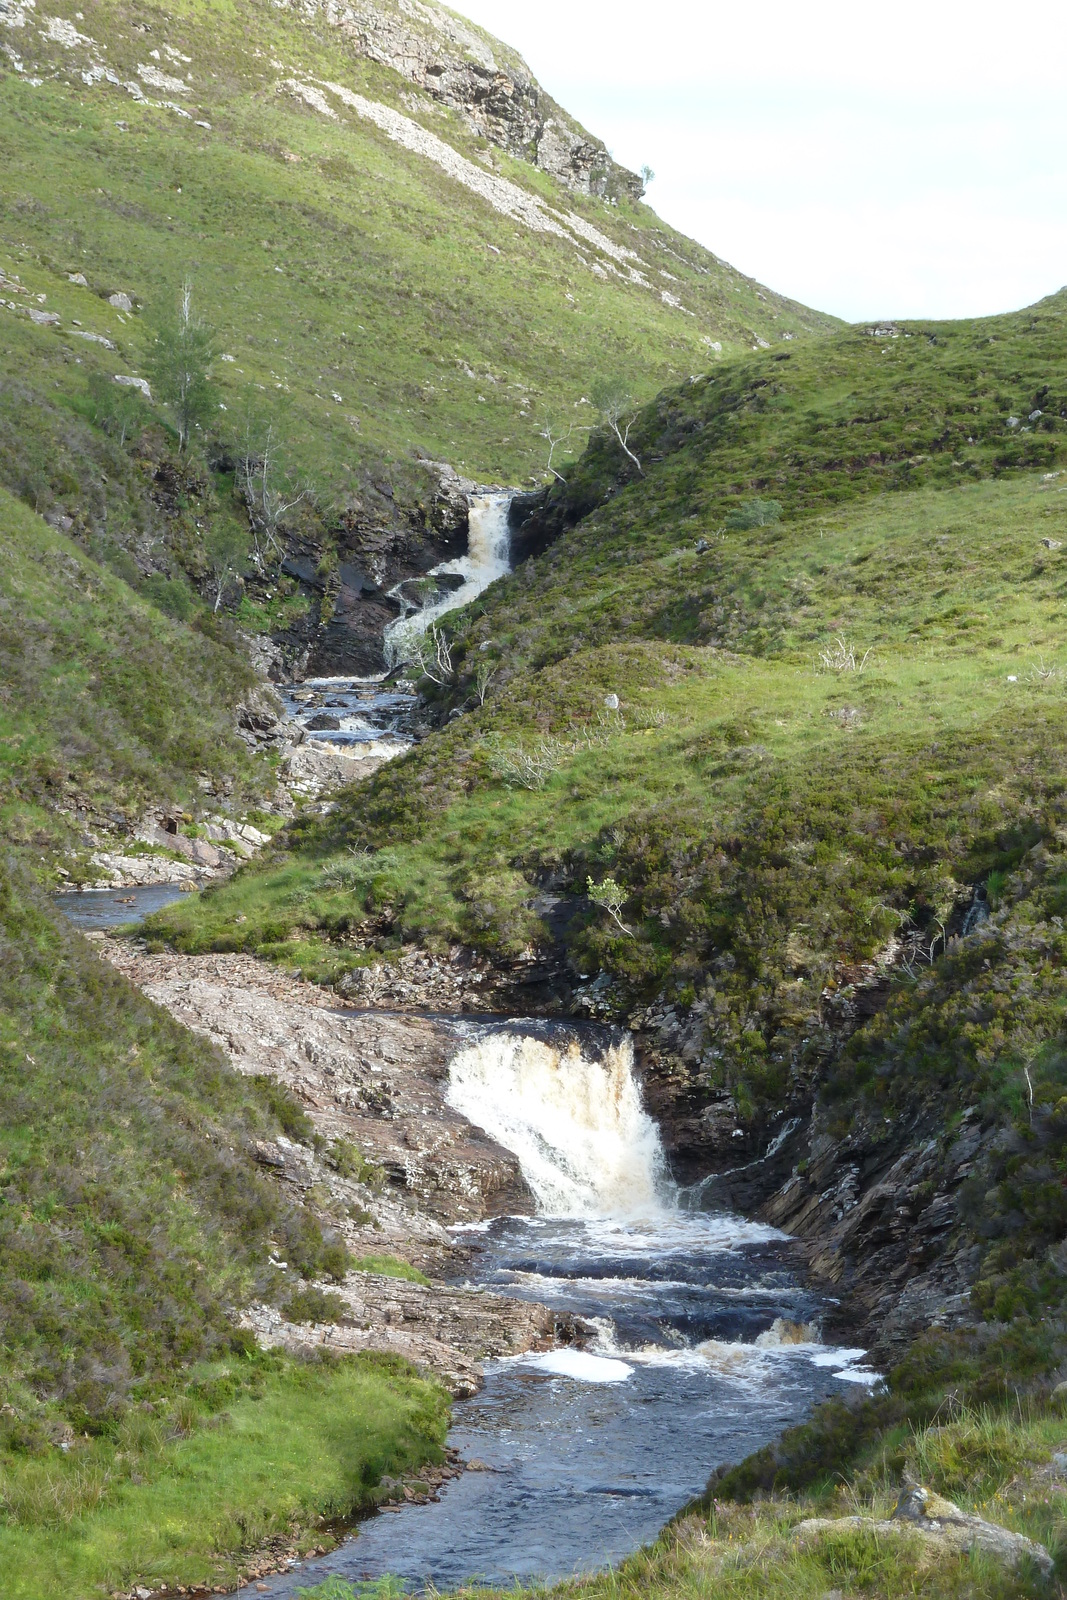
(706, 1341)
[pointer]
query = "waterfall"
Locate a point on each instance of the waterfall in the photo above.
(487, 558)
(573, 1117)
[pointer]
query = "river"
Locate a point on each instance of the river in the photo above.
(704, 1338)
(704, 1343)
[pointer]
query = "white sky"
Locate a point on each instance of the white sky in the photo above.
(872, 160)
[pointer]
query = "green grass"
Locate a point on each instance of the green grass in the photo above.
(106, 704)
(703, 741)
(389, 1267)
(132, 1214)
(331, 261)
(309, 1447)
(143, 1436)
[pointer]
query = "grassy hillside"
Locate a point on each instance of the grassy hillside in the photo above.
(142, 1435)
(838, 749)
(873, 678)
(106, 704)
(369, 304)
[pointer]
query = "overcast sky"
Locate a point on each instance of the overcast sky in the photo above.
(869, 159)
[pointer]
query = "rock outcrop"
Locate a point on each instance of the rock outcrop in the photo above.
(491, 88)
(939, 1526)
(391, 1167)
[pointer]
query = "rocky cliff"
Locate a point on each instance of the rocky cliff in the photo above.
(488, 85)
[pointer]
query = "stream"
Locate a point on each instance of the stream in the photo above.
(705, 1340)
(384, 709)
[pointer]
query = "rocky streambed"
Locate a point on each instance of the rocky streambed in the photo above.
(607, 1342)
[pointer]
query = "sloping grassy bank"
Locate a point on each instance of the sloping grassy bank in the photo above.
(142, 1434)
(772, 760)
(106, 705)
(166, 1504)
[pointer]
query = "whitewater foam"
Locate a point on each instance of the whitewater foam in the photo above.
(585, 1143)
(487, 558)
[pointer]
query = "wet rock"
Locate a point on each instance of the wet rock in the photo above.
(323, 722)
(316, 768)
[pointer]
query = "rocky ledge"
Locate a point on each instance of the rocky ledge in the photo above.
(392, 1165)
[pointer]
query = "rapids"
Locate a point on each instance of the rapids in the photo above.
(704, 1333)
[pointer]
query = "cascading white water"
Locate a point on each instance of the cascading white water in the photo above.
(487, 559)
(586, 1145)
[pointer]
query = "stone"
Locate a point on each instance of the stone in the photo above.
(611, 701)
(44, 319)
(120, 301)
(941, 1525)
(323, 723)
(127, 382)
(79, 278)
(204, 854)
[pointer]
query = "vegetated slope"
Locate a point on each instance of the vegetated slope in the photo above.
(827, 810)
(133, 1224)
(384, 280)
(106, 705)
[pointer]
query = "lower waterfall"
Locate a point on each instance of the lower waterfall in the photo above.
(572, 1116)
(699, 1334)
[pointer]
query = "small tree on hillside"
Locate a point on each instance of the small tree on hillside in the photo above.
(120, 411)
(557, 437)
(178, 367)
(226, 551)
(269, 493)
(617, 410)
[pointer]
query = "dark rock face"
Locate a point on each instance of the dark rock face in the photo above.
(530, 531)
(880, 1214)
(380, 546)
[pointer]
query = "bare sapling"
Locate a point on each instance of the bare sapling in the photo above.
(618, 413)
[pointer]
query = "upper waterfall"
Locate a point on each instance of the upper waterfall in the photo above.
(487, 558)
(573, 1117)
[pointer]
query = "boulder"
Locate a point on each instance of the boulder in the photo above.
(128, 382)
(941, 1526)
(120, 301)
